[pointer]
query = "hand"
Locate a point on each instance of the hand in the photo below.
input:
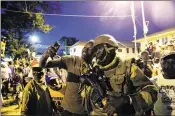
(118, 102)
(84, 80)
(51, 51)
(109, 109)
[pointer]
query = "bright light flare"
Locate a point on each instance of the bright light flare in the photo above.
(114, 8)
(34, 39)
(162, 13)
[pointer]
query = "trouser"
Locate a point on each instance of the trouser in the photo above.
(67, 113)
(5, 90)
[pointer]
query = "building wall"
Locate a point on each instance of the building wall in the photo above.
(76, 50)
(127, 53)
(159, 41)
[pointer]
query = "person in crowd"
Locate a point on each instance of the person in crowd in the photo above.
(5, 75)
(75, 66)
(36, 99)
(146, 64)
(17, 85)
(26, 72)
(164, 81)
(156, 67)
(132, 92)
(12, 68)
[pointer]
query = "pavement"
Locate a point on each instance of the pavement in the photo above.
(10, 107)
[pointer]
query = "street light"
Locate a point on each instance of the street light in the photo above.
(34, 39)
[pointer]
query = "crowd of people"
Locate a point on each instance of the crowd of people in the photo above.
(132, 87)
(14, 76)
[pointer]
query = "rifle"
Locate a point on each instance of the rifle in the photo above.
(99, 82)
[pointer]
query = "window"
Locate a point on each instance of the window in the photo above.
(119, 50)
(133, 50)
(138, 49)
(166, 40)
(74, 49)
(127, 50)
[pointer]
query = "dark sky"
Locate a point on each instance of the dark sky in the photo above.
(160, 14)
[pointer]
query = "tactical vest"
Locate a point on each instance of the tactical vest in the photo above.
(165, 105)
(117, 77)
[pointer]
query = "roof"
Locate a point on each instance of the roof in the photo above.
(121, 44)
(79, 43)
(127, 43)
(161, 34)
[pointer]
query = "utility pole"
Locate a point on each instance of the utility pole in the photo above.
(145, 28)
(134, 24)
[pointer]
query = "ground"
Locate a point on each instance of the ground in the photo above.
(9, 107)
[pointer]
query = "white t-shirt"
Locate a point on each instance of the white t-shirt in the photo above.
(5, 71)
(165, 105)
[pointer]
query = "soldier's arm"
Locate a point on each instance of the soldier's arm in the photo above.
(146, 94)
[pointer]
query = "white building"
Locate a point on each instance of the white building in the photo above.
(126, 49)
(76, 49)
(160, 38)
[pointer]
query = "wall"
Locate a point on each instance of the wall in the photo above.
(76, 50)
(161, 41)
(124, 55)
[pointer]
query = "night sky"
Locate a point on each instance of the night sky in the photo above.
(160, 14)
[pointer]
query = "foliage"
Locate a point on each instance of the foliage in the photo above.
(16, 25)
(68, 41)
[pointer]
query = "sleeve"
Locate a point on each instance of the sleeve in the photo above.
(146, 93)
(25, 103)
(61, 62)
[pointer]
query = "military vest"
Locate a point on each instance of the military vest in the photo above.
(117, 77)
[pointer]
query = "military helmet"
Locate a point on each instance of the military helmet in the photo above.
(107, 39)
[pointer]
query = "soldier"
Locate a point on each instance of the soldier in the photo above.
(75, 66)
(165, 104)
(132, 92)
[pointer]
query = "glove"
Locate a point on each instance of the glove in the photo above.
(50, 51)
(84, 80)
(119, 102)
(109, 109)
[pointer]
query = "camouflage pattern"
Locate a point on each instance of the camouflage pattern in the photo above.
(128, 79)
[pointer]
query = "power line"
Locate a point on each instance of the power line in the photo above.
(66, 15)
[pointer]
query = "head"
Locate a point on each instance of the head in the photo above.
(145, 56)
(26, 64)
(87, 51)
(37, 73)
(168, 65)
(10, 62)
(104, 49)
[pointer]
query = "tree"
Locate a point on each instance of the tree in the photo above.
(67, 41)
(21, 18)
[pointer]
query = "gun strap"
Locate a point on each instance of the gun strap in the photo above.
(117, 94)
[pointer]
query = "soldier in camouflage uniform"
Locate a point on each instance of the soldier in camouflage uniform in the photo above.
(133, 93)
(75, 66)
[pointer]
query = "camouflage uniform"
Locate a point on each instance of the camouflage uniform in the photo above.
(126, 79)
